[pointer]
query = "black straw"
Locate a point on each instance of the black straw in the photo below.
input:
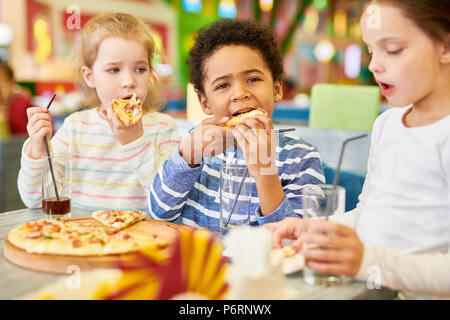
(48, 155)
(338, 170)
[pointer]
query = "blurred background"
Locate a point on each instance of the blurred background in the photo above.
(320, 41)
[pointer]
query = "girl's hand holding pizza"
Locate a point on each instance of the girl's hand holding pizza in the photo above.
(125, 134)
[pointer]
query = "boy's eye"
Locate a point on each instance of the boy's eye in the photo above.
(222, 86)
(253, 79)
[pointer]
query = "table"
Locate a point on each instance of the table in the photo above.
(16, 281)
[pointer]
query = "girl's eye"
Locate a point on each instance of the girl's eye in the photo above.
(141, 70)
(113, 70)
(395, 52)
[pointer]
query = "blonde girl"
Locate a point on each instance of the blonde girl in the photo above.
(112, 165)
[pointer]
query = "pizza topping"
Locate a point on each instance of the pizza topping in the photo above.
(34, 235)
(126, 236)
(76, 243)
(56, 228)
(110, 232)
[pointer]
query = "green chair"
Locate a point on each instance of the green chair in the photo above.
(350, 107)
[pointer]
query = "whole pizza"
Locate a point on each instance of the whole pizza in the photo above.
(65, 237)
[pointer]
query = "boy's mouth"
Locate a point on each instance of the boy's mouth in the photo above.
(243, 110)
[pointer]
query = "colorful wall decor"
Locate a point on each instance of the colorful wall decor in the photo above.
(192, 6)
(227, 9)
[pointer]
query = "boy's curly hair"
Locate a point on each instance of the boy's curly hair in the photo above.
(233, 32)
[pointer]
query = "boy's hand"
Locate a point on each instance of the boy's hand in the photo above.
(39, 125)
(123, 133)
(255, 136)
(336, 248)
(206, 140)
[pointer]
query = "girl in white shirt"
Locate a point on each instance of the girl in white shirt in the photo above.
(403, 217)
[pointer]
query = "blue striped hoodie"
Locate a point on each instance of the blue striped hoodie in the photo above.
(193, 193)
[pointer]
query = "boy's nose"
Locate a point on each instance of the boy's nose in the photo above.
(240, 93)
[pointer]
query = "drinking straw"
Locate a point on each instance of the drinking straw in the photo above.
(48, 155)
(338, 170)
(245, 176)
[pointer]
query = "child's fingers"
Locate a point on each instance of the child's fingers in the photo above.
(42, 132)
(326, 226)
(37, 121)
(253, 124)
(246, 132)
(113, 118)
(36, 116)
(265, 121)
(324, 240)
(36, 110)
(288, 229)
(239, 137)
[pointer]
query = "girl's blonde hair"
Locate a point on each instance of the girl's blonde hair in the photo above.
(113, 25)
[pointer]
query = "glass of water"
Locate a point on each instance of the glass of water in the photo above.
(321, 202)
(235, 196)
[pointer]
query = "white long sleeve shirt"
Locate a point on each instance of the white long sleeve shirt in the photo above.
(403, 214)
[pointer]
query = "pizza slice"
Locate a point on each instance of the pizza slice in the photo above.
(237, 119)
(129, 111)
(118, 219)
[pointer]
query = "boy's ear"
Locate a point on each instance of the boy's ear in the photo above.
(445, 56)
(277, 90)
(204, 103)
(88, 76)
